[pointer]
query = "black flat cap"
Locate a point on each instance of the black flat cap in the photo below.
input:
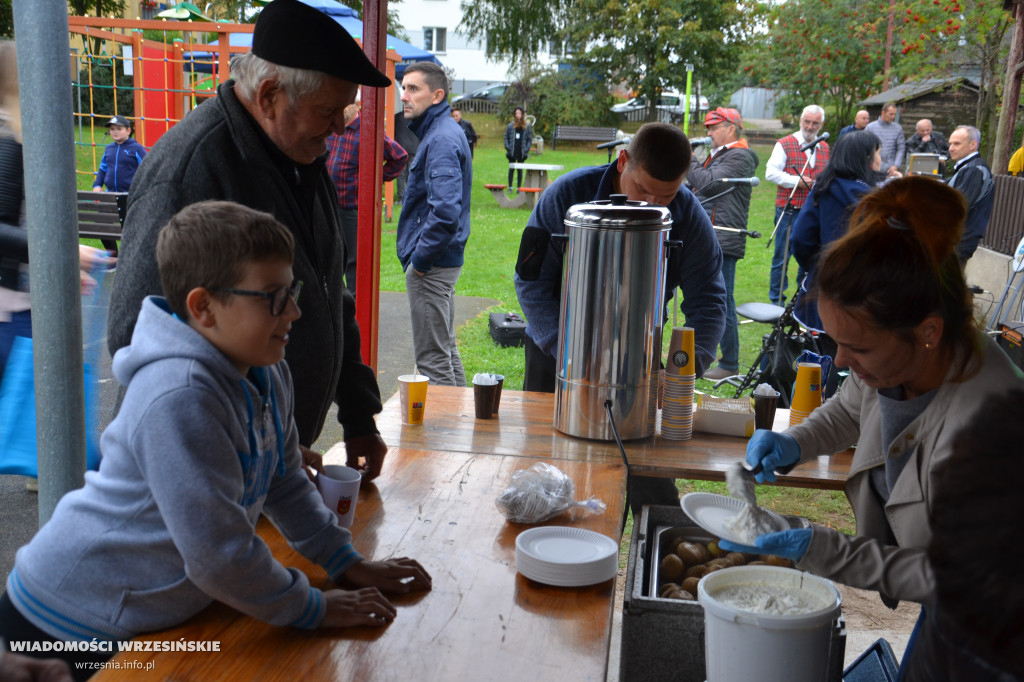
(291, 33)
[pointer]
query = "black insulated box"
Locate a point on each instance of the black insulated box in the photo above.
(507, 329)
(663, 639)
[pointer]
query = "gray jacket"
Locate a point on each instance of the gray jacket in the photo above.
(167, 525)
(738, 161)
(889, 552)
(510, 139)
(893, 142)
(219, 152)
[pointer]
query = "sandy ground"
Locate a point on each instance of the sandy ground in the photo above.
(867, 620)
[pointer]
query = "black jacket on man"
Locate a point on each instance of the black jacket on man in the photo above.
(973, 178)
(219, 152)
(936, 145)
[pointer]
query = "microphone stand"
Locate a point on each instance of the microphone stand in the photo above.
(789, 227)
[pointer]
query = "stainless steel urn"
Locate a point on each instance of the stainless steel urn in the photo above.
(611, 313)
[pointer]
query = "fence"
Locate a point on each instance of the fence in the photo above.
(153, 72)
(477, 106)
(1006, 225)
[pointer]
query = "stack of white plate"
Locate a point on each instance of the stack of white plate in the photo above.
(566, 556)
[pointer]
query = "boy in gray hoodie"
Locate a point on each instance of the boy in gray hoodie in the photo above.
(204, 443)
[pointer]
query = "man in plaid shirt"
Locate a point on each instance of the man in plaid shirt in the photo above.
(343, 165)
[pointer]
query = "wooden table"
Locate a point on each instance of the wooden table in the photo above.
(524, 428)
(481, 621)
(536, 176)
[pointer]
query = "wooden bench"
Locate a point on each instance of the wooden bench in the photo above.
(101, 214)
(584, 133)
(515, 201)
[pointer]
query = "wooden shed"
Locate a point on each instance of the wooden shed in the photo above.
(948, 102)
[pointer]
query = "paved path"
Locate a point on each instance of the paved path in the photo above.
(19, 512)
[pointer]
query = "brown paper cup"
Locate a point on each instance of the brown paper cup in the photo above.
(497, 394)
(764, 410)
(681, 352)
(484, 396)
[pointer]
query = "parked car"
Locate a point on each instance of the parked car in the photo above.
(489, 93)
(670, 103)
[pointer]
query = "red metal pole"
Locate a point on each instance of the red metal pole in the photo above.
(371, 153)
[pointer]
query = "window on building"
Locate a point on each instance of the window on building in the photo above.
(434, 39)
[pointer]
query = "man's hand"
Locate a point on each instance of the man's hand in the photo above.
(97, 188)
(371, 450)
(894, 172)
(311, 461)
(347, 609)
(18, 668)
(391, 575)
(806, 181)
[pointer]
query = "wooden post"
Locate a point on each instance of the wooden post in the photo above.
(371, 151)
(1011, 93)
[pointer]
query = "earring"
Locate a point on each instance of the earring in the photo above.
(927, 346)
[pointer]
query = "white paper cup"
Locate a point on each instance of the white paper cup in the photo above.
(339, 486)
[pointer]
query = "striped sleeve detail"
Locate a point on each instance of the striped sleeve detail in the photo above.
(314, 612)
(342, 560)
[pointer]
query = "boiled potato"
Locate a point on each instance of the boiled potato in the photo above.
(671, 567)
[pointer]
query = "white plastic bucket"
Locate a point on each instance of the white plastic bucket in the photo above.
(743, 645)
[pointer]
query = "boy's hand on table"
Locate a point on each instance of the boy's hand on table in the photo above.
(350, 608)
(400, 576)
(371, 450)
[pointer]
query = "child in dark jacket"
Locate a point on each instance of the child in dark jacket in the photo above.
(120, 160)
(204, 443)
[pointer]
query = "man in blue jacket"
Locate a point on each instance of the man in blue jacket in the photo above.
(651, 169)
(434, 227)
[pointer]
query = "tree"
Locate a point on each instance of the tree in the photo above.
(647, 43)
(947, 38)
(95, 8)
(826, 52)
(6, 19)
(514, 30)
(833, 51)
(560, 97)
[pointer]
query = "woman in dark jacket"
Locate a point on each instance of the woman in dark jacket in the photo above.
(853, 169)
(518, 138)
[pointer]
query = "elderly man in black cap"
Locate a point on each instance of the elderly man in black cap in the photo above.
(262, 143)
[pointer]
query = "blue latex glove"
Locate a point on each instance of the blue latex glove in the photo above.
(789, 544)
(772, 450)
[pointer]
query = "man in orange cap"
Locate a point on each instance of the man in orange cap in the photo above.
(730, 158)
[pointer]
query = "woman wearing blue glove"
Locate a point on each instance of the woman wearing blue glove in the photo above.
(892, 295)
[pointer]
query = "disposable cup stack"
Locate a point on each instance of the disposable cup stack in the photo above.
(806, 392)
(677, 405)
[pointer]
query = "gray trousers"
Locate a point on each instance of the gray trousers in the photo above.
(432, 308)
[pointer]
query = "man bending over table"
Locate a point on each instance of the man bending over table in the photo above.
(651, 169)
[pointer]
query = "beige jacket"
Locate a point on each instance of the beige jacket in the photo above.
(888, 553)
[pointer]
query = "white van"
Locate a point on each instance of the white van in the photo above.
(670, 102)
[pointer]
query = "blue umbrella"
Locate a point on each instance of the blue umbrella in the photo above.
(349, 20)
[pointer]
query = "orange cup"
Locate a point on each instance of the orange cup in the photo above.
(806, 391)
(681, 353)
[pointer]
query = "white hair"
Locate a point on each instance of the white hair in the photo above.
(813, 109)
(249, 71)
(972, 133)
